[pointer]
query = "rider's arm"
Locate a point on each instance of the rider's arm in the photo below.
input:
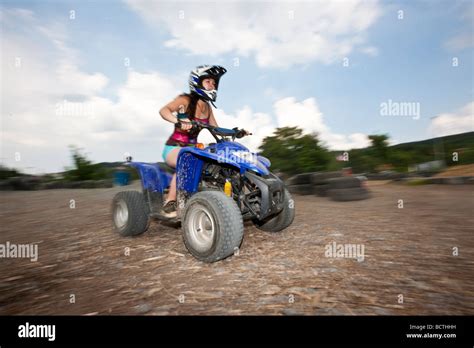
(167, 111)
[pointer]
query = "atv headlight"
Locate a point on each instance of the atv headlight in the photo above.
(264, 160)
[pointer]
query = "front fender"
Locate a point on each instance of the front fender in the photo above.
(191, 161)
(188, 170)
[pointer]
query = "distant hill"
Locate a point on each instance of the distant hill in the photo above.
(452, 149)
(459, 141)
(110, 164)
(363, 160)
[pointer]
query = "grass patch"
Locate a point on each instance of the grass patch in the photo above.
(418, 182)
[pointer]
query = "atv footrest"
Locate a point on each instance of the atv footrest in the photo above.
(158, 216)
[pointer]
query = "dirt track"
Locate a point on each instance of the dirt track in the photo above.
(408, 251)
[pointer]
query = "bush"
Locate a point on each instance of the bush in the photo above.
(291, 152)
(6, 173)
(84, 169)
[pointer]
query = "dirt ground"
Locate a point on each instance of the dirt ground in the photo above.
(461, 170)
(408, 265)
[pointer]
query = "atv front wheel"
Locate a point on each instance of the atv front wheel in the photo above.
(212, 226)
(282, 220)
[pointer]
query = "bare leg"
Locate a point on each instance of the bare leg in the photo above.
(172, 192)
(171, 160)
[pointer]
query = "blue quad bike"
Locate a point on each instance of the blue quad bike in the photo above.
(218, 187)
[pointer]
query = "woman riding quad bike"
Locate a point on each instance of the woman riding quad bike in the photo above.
(203, 85)
(213, 189)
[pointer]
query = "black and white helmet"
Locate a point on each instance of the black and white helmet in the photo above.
(199, 74)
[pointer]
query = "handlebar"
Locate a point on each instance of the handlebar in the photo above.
(223, 132)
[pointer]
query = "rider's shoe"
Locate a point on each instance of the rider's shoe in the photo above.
(169, 209)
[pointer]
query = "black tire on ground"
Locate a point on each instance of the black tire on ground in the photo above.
(300, 179)
(351, 194)
(344, 182)
(130, 213)
(321, 190)
(282, 220)
(212, 226)
(306, 189)
(321, 178)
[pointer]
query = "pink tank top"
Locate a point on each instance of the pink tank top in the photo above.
(184, 138)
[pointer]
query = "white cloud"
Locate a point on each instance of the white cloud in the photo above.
(460, 121)
(277, 34)
(288, 113)
(51, 103)
(370, 50)
(460, 42)
(48, 103)
(465, 36)
(260, 124)
(306, 115)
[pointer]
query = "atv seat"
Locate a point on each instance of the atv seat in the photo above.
(166, 168)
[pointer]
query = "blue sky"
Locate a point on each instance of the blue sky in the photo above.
(403, 60)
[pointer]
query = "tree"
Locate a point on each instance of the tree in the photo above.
(368, 159)
(292, 152)
(380, 147)
(83, 168)
(361, 161)
(6, 173)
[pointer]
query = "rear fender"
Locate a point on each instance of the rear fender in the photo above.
(153, 179)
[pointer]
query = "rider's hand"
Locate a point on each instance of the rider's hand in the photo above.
(240, 133)
(183, 125)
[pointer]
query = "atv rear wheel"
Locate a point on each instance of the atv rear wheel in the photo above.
(130, 213)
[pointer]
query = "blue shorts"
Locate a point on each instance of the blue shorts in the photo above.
(168, 149)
